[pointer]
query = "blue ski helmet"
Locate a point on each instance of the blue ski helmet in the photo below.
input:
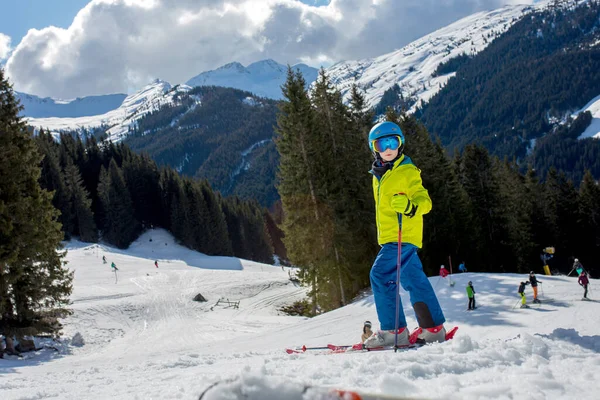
(383, 129)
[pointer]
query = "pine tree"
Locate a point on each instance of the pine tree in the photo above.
(298, 182)
(82, 222)
(589, 223)
(480, 181)
(34, 283)
(120, 226)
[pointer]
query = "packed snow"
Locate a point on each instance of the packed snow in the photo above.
(139, 335)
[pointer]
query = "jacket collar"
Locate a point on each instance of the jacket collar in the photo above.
(380, 167)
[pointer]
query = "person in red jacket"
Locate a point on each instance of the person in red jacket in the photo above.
(444, 272)
(584, 281)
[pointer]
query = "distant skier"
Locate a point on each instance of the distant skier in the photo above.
(462, 267)
(522, 293)
(400, 195)
(584, 281)
(577, 266)
(367, 332)
(444, 272)
(471, 295)
(534, 283)
(114, 266)
(156, 263)
(103, 259)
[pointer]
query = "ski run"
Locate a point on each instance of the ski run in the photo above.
(145, 338)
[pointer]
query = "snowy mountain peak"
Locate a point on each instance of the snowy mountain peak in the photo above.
(264, 67)
(148, 99)
(263, 78)
(37, 107)
(232, 66)
(412, 67)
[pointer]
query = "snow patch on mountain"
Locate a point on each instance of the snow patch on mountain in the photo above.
(592, 131)
(150, 98)
(263, 78)
(413, 66)
(37, 107)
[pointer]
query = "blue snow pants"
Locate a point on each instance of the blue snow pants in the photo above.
(413, 280)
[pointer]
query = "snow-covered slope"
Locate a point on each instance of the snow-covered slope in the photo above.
(263, 78)
(594, 129)
(37, 107)
(412, 66)
(145, 338)
(135, 106)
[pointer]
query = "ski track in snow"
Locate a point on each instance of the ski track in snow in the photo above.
(146, 339)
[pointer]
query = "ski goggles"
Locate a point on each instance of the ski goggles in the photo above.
(387, 142)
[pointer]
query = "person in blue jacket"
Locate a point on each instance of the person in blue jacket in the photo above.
(399, 191)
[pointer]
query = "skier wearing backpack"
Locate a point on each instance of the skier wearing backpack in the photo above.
(471, 295)
(534, 283)
(584, 281)
(400, 198)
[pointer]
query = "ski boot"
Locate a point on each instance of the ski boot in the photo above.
(387, 338)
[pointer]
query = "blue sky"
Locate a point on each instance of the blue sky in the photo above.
(121, 45)
(18, 16)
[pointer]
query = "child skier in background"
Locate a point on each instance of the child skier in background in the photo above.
(367, 332)
(462, 268)
(399, 192)
(444, 272)
(522, 293)
(534, 283)
(114, 266)
(471, 295)
(584, 281)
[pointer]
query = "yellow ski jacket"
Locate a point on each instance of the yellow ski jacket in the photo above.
(403, 177)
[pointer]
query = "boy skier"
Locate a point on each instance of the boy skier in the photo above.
(471, 295)
(522, 293)
(114, 266)
(584, 281)
(462, 267)
(399, 193)
(534, 283)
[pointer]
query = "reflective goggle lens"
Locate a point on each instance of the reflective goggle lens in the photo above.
(382, 144)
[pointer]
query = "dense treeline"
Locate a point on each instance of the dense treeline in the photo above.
(452, 65)
(34, 283)
(220, 134)
(485, 211)
(546, 66)
(107, 188)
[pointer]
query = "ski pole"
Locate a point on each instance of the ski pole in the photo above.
(516, 304)
(542, 283)
(398, 281)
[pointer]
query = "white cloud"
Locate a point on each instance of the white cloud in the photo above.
(113, 45)
(4, 46)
